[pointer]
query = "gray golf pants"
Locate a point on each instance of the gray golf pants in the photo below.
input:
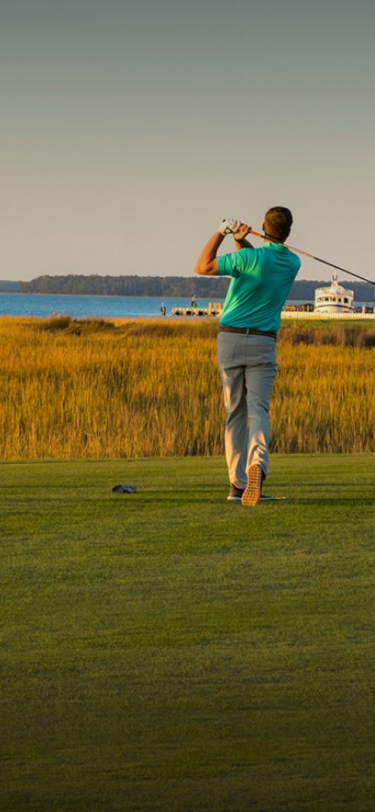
(247, 367)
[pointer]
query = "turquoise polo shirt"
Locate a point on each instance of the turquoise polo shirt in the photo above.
(261, 281)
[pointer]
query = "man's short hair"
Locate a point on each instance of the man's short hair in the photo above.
(278, 222)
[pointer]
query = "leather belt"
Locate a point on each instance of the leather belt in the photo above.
(248, 331)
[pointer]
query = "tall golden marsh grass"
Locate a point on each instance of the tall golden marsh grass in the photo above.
(139, 388)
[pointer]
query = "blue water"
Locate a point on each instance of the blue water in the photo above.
(35, 304)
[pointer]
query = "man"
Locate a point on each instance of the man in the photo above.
(261, 281)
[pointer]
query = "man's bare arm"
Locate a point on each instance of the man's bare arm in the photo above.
(207, 263)
(239, 238)
(240, 244)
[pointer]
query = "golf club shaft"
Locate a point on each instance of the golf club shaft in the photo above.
(311, 256)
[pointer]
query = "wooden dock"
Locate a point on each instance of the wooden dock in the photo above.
(213, 309)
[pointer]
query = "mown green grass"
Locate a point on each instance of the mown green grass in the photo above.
(171, 651)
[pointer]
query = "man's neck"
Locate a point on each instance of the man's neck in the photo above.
(270, 238)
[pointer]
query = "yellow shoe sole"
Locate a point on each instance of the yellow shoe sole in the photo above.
(252, 493)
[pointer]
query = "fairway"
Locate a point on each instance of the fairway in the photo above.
(171, 651)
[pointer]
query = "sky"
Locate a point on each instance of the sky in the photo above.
(130, 130)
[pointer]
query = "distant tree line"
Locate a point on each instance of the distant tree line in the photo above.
(202, 287)
(304, 289)
(7, 286)
(212, 288)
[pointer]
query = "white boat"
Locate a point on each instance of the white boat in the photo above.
(334, 299)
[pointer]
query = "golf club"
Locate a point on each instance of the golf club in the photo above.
(312, 256)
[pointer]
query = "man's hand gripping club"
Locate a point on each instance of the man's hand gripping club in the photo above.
(207, 263)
